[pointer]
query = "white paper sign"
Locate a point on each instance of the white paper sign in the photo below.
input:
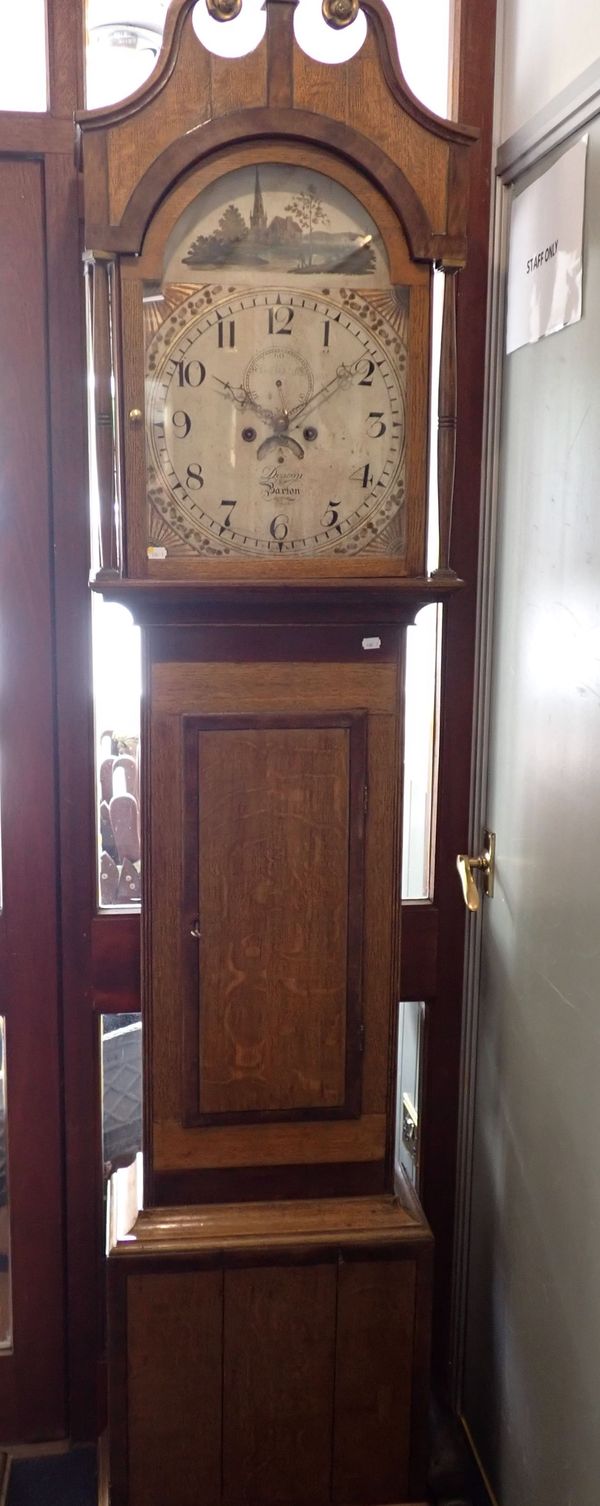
(545, 252)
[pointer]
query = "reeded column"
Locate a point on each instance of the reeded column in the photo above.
(447, 421)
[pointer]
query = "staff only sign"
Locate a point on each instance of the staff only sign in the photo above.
(545, 251)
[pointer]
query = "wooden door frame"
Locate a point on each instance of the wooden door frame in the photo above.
(32, 1395)
(54, 555)
(474, 45)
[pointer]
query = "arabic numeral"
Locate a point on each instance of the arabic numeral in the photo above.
(331, 515)
(182, 423)
(190, 373)
(364, 474)
(230, 505)
(280, 319)
(364, 370)
(376, 426)
(195, 479)
(279, 528)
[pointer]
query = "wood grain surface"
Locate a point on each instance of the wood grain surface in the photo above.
(275, 1353)
(279, 1357)
(116, 957)
(265, 687)
(278, 888)
(268, 1144)
(374, 1362)
(297, 692)
(32, 1377)
(174, 1348)
(259, 1227)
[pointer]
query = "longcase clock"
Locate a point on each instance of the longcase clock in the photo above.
(261, 234)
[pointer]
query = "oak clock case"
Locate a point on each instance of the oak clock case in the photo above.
(276, 338)
(262, 234)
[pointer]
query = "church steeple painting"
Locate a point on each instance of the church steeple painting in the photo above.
(258, 218)
(280, 218)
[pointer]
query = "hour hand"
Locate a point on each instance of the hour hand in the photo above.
(243, 399)
(238, 395)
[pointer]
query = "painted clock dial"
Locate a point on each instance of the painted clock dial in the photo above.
(275, 402)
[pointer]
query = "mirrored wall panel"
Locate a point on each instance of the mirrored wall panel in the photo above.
(121, 1089)
(422, 649)
(123, 41)
(23, 69)
(411, 1028)
(117, 680)
(5, 1271)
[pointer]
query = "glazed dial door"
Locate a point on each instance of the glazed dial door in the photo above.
(276, 422)
(280, 373)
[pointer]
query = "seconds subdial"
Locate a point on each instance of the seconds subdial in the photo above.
(278, 382)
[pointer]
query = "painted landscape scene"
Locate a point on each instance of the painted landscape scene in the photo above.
(281, 220)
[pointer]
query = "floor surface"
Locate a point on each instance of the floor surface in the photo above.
(55, 1480)
(70, 1480)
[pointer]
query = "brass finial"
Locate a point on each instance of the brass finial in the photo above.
(223, 10)
(340, 13)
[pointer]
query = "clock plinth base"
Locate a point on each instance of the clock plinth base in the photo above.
(272, 1352)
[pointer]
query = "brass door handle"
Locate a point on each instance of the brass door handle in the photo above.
(485, 863)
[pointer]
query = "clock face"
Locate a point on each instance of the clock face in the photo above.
(276, 425)
(275, 409)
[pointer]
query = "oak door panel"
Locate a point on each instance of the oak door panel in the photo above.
(374, 1360)
(328, 1147)
(278, 1385)
(274, 874)
(174, 1347)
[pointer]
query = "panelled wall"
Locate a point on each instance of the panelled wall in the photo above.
(49, 1374)
(30, 994)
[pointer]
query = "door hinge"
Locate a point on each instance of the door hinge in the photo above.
(365, 798)
(361, 1037)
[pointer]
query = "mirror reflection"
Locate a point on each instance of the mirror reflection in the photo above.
(5, 1281)
(121, 1090)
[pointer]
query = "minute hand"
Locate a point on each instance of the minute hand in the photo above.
(342, 377)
